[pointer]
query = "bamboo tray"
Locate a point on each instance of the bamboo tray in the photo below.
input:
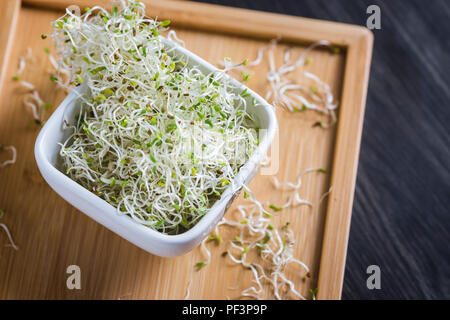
(53, 235)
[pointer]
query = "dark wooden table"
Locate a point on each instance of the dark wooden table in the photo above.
(401, 213)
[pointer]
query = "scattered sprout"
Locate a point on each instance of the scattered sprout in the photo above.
(165, 23)
(289, 94)
(313, 293)
(13, 158)
(216, 238)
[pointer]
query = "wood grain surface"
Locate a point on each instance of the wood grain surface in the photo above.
(52, 235)
(400, 219)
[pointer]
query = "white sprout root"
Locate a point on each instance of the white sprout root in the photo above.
(158, 140)
(33, 101)
(8, 234)
(13, 158)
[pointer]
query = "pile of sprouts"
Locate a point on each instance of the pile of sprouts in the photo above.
(272, 245)
(158, 140)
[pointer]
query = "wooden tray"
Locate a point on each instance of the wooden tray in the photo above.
(52, 234)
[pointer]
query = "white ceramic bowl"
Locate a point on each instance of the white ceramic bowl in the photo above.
(49, 163)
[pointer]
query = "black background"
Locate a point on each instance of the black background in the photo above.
(401, 213)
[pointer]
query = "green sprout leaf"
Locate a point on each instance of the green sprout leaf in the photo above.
(336, 49)
(275, 208)
(165, 23)
(246, 77)
(216, 238)
(313, 293)
(200, 265)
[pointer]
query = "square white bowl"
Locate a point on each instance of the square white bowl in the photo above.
(49, 163)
